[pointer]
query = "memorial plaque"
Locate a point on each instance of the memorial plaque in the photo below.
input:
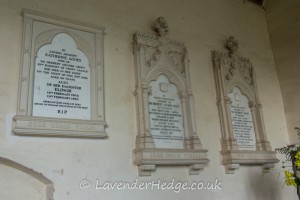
(244, 140)
(166, 120)
(167, 132)
(242, 121)
(62, 80)
(61, 87)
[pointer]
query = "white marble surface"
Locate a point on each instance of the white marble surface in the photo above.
(166, 120)
(242, 122)
(62, 80)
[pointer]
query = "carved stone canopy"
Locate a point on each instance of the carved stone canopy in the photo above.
(160, 26)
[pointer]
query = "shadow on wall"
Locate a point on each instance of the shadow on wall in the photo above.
(264, 186)
(20, 182)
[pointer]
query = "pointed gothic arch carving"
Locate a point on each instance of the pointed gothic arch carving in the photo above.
(240, 123)
(167, 58)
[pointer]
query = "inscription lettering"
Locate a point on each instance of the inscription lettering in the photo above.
(62, 80)
(165, 113)
(242, 121)
(58, 125)
(167, 155)
(36, 124)
(85, 127)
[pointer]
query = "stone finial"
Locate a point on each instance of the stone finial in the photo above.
(160, 26)
(232, 45)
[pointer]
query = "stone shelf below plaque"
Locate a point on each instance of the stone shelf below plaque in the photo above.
(234, 158)
(148, 159)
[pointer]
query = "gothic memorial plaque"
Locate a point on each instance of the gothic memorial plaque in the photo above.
(167, 133)
(244, 140)
(242, 122)
(165, 111)
(62, 80)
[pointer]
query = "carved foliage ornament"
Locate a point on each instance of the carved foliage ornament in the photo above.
(151, 55)
(178, 60)
(246, 71)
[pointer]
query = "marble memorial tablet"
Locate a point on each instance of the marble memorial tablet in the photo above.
(62, 80)
(166, 121)
(61, 87)
(242, 122)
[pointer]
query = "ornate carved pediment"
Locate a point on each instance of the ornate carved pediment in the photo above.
(158, 51)
(234, 67)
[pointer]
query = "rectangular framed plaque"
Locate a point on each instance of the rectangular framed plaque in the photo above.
(61, 81)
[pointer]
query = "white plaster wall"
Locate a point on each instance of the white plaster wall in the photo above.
(283, 21)
(203, 25)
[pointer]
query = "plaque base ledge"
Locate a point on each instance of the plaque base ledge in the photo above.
(233, 159)
(148, 159)
(55, 127)
(65, 134)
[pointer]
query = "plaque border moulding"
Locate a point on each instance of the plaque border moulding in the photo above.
(230, 71)
(38, 30)
(156, 55)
